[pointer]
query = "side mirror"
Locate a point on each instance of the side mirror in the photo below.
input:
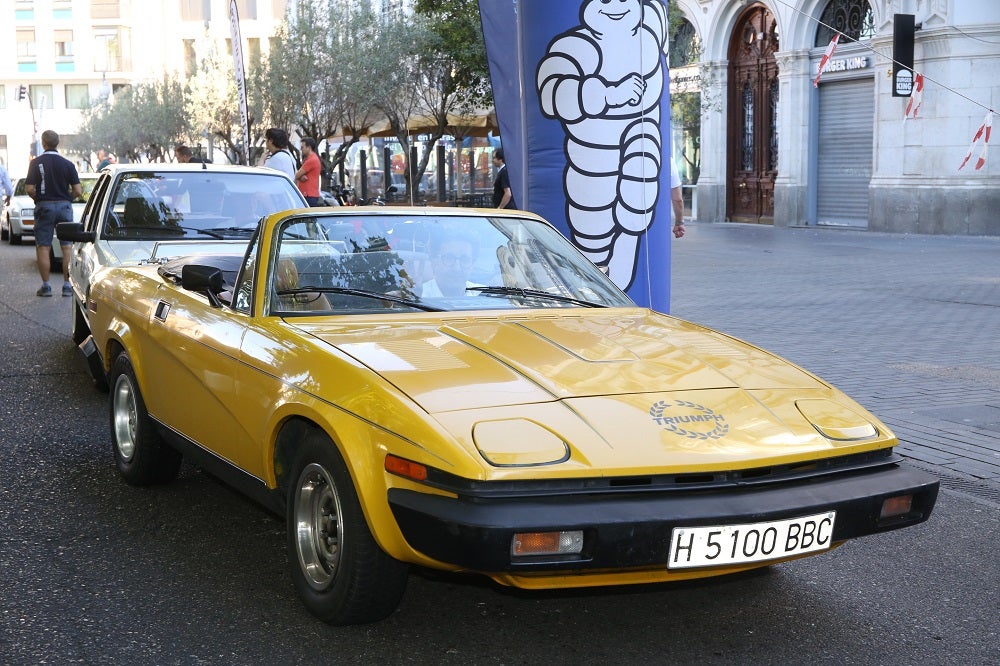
(391, 189)
(203, 278)
(73, 232)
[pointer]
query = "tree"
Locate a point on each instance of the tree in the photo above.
(211, 101)
(458, 25)
(329, 64)
(141, 123)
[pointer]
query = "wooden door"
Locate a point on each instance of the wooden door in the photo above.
(752, 152)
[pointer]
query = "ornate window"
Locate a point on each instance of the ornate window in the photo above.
(852, 18)
(748, 104)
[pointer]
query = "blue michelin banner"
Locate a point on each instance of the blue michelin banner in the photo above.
(582, 98)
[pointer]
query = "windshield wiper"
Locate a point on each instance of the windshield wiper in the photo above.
(231, 231)
(377, 295)
(534, 293)
(175, 229)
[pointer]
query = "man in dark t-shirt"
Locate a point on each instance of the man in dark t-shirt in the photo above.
(502, 195)
(54, 184)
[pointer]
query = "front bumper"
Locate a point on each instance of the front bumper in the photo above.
(632, 531)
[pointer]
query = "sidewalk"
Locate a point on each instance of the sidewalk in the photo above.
(907, 325)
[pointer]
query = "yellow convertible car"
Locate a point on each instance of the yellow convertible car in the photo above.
(462, 390)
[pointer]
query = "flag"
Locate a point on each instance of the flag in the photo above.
(913, 104)
(241, 82)
(982, 133)
(583, 104)
(831, 47)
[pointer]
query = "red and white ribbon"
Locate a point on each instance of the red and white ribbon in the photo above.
(913, 105)
(831, 47)
(982, 133)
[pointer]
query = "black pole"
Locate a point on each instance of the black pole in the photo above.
(386, 172)
(440, 172)
(364, 174)
(413, 174)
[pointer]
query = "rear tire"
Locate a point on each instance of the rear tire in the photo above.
(141, 455)
(340, 572)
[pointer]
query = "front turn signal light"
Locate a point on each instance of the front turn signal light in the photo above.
(405, 468)
(547, 543)
(896, 506)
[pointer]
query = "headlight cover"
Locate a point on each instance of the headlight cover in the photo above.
(518, 443)
(835, 421)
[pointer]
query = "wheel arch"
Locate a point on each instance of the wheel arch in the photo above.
(365, 467)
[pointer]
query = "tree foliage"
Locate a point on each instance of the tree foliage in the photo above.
(459, 28)
(141, 122)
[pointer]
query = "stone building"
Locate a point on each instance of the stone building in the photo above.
(772, 148)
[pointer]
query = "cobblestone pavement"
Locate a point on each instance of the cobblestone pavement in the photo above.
(907, 325)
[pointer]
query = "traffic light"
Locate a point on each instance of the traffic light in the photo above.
(903, 28)
(22, 92)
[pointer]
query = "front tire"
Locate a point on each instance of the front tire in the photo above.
(340, 572)
(141, 455)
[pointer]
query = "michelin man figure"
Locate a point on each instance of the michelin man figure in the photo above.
(603, 81)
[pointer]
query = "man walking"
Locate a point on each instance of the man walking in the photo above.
(307, 177)
(53, 183)
(502, 196)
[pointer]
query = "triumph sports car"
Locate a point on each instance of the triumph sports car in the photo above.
(462, 390)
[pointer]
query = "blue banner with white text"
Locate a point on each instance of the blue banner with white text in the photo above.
(582, 96)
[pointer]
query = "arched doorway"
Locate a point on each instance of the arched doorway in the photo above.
(752, 151)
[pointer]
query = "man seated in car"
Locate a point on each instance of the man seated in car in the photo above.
(452, 255)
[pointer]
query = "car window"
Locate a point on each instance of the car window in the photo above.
(157, 205)
(20, 188)
(434, 262)
(243, 293)
(89, 216)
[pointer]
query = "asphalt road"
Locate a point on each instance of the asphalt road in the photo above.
(93, 571)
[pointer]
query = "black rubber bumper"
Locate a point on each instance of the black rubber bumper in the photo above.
(633, 530)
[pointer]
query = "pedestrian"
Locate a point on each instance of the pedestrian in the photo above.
(8, 189)
(502, 195)
(104, 158)
(54, 184)
(676, 199)
(307, 176)
(184, 155)
(279, 156)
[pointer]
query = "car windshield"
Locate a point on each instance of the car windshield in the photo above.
(165, 205)
(367, 263)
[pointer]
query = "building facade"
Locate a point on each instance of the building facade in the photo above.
(68, 53)
(774, 148)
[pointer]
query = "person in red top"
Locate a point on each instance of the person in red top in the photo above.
(307, 177)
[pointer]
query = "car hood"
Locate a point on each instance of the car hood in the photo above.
(22, 202)
(614, 378)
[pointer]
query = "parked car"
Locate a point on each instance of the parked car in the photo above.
(19, 216)
(463, 390)
(145, 212)
(87, 183)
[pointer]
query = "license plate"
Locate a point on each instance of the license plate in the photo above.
(719, 545)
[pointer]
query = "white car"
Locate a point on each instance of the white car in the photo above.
(19, 216)
(142, 213)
